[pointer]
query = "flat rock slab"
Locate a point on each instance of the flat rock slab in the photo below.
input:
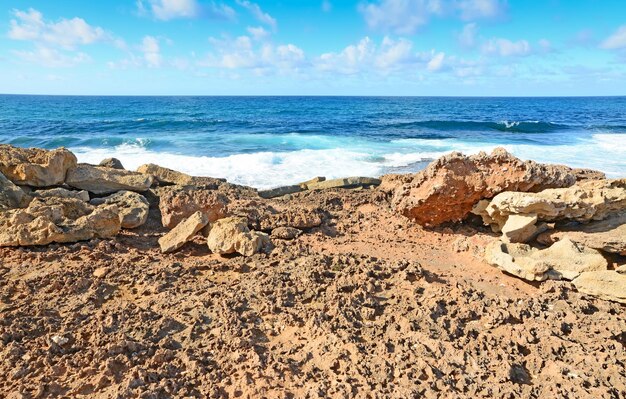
(608, 284)
(102, 180)
(280, 191)
(174, 177)
(183, 232)
(63, 193)
(346, 182)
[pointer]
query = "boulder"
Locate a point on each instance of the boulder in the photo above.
(178, 203)
(232, 235)
(299, 218)
(607, 235)
(173, 177)
(605, 284)
(519, 228)
(112, 163)
(449, 187)
(280, 191)
(346, 182)
(54, 219)
(35, 167)
(583, 202)
(133, 207)
(285, 233)
(11, 196)
(63, 193)
(183, 232)
(564, 259)
(102, 180)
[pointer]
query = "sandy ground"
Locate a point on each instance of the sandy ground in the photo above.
(368, 305)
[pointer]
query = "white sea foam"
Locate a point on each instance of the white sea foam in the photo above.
(606, 152)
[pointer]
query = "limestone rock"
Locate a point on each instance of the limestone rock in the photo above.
(178, 203)
(231, 235)
(570, 259)
(346, 182)
(11, 196)
(449, 187)
(305, 184)
(607, 235)
(35, 167)
(133, 207)
(519, 228)
(299, 218)
(280, 191)
(54, 219)
(63, 193)
(170, 176)
(112, 163)
(605, 284)
(511, 259)
(183, 232)
(585, 201)
(101, 180)
(285, 233)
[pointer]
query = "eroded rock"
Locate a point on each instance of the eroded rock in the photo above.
(133, 207)
(299, 218)
(285, 233)
(102, 180)
(11, 196)
(232, 235)
(35, 167)
(178, 203)
(183, 232)
(112, 163)
(605, 284)
(173, 177)
(62, 193)
(346, 182)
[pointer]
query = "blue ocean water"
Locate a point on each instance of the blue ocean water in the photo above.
(269, 141)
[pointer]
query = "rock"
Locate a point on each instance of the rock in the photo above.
(173, 177)
(280, 191)
(59, 340)
(449, 187)
(564, 259)
(607, 235)
(133, 207)
(62, 193)
(61, 220)
(231, 235)
(621, 269)
(519, 228)
(35, 167)
(11, 196)
(178, 203)
(299, 218)
(585, 201)
(305, 184)
(112, 163)
(285, 233)
(347, 182)
(588, 174)
(605, 284)
(183, 232)
(101, 180)
(101, 272)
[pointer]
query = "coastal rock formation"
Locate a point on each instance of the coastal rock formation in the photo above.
(183, 232)
(347, 182)
(133, 207)
(35, 167)
(170, 176)
(112, 163)
(299, 217)
(585, 201)
(285, 233)
(280, 191)
(11, 196)
(62, 193)
(101, 180)
(607, 235)
(232, 235)
(564, 259)
(519, 228)
(449, 187)
(178, 203)
(606, 284)
(54, 219)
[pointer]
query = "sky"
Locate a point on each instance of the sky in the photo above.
(314, 47)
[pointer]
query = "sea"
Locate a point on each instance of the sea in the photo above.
(271, 141)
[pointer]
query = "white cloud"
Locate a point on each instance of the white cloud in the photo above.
(506, 47)
(67, 33)
(51, 58)
(151, 51)
(407, 16)
(436, 63)
(258, 33)
(616, 41)
(258, 13)
(467, 37)
(166, 10)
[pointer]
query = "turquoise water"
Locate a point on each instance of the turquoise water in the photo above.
(269, 141)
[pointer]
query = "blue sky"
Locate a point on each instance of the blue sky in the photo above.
(316, 47)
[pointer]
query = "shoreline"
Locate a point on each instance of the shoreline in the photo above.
(455, 280)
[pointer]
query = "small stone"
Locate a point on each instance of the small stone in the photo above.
(59, 340)
(112, 163)
(100, 272)
(285, 233)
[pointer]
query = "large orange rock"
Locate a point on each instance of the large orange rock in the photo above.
(177, 203)
(35, 167)
(451, 185)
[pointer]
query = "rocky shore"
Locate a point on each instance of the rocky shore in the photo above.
(481, 276)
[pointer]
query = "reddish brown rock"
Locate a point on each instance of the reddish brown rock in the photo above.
(450, 186)
(178, 203)
(34, 166)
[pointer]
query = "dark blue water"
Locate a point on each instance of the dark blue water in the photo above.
(266, 141)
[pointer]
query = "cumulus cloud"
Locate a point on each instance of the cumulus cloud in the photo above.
(467, 37)
(67, 33)
(506, 47)
(616, 41)
(436, 63)
(151, 51)
(52, 58)
(258, 13)
(166, 10)
(258, 33)
(407, 16)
